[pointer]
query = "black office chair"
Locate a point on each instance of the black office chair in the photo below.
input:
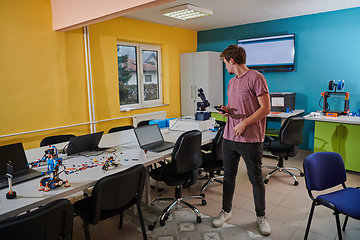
(143, 123)
(55, 139)
(207, 147)
(290, 137)
(52, 221)
(221, 123)
(213, 161)
(181, 171)
(325, 171)
(112, 195)
(122, 128)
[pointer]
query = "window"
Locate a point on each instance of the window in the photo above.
(139, 84)
(148, 78)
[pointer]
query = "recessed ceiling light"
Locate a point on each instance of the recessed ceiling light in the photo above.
(186, 11)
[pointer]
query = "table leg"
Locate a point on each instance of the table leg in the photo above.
(147, 187)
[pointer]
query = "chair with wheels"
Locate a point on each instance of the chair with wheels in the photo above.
(111, 196)
(323, 171)
(182, 171)
(52, 221)
(213, 161)
(290, 137)
(207, 147)
(122, 128)
(144, 123)
(55, 139)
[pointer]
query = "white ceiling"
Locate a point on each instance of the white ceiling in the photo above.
(228, 13)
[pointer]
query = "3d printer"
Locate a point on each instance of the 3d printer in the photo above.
(333, 112)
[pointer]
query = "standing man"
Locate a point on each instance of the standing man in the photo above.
(248, 105)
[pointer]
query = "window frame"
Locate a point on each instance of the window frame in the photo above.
(141, 76)
(150, 78)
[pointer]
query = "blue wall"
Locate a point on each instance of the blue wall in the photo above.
(327, 46)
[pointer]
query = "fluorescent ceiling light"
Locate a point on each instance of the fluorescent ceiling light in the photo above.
(186, 11)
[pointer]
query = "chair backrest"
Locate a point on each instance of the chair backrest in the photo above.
(186, 155)
(221, 123)
(143, 123)
(122, 128)
(55, 139)
(291, 131)
(216, 146)
(117, 190)
(51, 222)
(324, 170)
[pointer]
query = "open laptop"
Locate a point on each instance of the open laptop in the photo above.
(88, 142)
(16, 154)
(150, 138)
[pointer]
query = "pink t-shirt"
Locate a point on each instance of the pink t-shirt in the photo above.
(242, 103)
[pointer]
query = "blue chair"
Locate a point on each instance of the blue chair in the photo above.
(324, 170)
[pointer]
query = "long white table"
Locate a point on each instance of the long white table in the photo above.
(128, 154)
(284, 115)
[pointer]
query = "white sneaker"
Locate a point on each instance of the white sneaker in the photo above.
(264, 226)
(221, 218)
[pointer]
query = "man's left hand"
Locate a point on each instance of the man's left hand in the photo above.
(239, 128)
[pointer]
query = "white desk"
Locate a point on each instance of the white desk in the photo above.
(29, 197)
(339, 119)
(284, 115)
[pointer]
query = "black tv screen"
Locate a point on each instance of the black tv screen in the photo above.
(270, 54)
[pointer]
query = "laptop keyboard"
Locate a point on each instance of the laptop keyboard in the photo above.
(155, 145)
(160, 147)
(20, 177)
(20, 174)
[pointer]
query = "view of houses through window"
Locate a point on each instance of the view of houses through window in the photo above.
(139, 84)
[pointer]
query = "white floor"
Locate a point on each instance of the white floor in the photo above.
(287, 208)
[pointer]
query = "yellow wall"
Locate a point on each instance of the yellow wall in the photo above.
(103, 42)
(43, 75)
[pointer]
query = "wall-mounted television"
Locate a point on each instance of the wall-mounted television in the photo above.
(270, 54)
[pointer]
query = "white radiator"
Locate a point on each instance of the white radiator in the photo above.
(148, 116)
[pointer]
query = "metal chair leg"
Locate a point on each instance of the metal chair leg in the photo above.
(285, 170)
(309, 220)
(338, 225)
(345, 222)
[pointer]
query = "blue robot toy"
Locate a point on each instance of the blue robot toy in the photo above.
(52, 180)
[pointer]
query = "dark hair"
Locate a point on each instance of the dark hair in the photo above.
(235, 52)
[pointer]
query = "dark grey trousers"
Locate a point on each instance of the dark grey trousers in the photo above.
(252, 155)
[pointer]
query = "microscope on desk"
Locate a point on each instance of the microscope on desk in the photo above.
(201, 115)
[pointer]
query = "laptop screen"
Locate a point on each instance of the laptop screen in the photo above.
(14, 153)
(88, 142)
(148, 134)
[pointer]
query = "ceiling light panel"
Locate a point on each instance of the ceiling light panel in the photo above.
(186, 11)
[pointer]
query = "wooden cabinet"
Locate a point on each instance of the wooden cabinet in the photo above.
(341, 138)
(200, 70)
